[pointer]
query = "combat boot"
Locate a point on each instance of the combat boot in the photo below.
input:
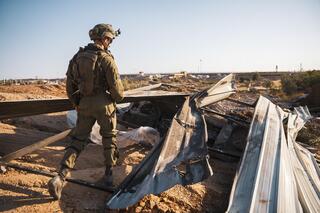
(108, 176)
(107, 180)
(56, 184)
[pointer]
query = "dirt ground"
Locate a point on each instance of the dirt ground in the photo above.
(25, 192)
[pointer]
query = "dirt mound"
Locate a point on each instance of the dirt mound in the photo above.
(52, 122)
(21, 92)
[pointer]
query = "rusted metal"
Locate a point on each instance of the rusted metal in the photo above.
(12, 109)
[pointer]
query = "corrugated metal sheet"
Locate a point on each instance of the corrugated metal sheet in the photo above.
(12, 109)
(304, 168)
(181, 158)
(275, 174)
(221, 90)
(184, 146)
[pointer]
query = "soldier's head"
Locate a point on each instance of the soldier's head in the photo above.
(103, 34)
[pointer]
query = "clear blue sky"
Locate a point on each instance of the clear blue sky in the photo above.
(38, 37)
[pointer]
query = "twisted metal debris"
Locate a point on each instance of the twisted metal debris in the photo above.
(276, 174)
(181, 158)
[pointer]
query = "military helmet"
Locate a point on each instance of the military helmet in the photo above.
(101, 31)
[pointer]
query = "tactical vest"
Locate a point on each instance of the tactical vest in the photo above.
(88, 73)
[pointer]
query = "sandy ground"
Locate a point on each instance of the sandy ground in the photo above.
(25, 192)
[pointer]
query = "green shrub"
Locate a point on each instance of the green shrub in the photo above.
(268, 84)
(289, 85)
(299, 81)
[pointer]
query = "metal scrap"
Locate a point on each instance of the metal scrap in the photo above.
(305, 169)
(273, 175)
(221, 90)
(276, 174)
(12, 109)
(180, 158)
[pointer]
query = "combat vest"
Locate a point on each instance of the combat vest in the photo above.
(87, 71)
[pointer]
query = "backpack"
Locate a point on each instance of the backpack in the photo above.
(85, 67)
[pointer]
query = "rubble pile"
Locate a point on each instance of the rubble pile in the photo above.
(176, 154)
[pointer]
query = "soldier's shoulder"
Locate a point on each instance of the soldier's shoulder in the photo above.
(107, 56)
(81, 49)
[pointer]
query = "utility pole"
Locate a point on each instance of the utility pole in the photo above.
(199, 67)
(301, 69)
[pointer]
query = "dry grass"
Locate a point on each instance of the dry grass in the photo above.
(133, 84)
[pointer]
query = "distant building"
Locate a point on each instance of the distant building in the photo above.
(180, 74)
(155, 76)
(141, 73)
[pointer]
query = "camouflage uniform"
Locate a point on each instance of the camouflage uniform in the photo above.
(93, 87)
(99, 106)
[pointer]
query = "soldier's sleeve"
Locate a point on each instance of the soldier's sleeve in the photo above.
(113, 78)
(71, 86)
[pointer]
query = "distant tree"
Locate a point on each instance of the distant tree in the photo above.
(268, 84)
(299, 81)
(289, 85)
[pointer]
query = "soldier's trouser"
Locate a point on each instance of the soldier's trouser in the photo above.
(94, 108)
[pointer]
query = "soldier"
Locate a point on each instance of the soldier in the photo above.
(93, 87)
